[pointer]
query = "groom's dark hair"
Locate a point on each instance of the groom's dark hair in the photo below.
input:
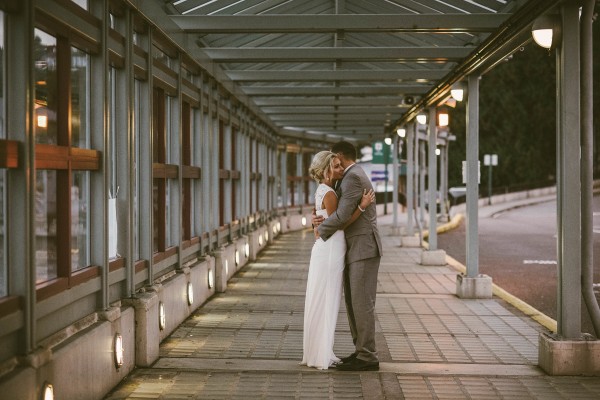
(346, 148)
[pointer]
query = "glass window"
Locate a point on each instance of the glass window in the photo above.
(80, 94)
(136, 173)
(82, 3)
(79, 220)
(46, 81)
(45, 226)
(62, 190)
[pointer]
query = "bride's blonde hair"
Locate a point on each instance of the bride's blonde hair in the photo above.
(320, 168)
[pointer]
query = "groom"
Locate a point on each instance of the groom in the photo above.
(362, 259)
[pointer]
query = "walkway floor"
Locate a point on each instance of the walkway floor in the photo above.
(247, 343)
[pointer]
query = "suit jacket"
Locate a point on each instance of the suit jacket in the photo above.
(362, 236)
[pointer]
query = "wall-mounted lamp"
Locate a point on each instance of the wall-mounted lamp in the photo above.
(422, 119)
(303, 221)
(274, 229)
(279, 227)
(443, 118)
(401, 132)
(247, 249)
(47, 391)
(162, 318)
(237, 258)
(118, 350)
(260, 240)
(546, 31)
(437, 151)
(266, 236)
(190, 293)
(210, 278)
(226, 267)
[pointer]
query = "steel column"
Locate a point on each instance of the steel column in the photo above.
(569, 177)
(410, 178)
(472, 172)
(396, 176)
(432, 179)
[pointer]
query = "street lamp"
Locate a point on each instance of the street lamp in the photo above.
(546, 31)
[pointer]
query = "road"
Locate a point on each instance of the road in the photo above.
(517, 248)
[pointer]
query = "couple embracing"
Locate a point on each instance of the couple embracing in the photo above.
(346, 253)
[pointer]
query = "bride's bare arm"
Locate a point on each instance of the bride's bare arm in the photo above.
(330, 203)
(367, 199)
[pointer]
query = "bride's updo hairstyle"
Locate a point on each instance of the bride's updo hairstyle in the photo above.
(320, 168)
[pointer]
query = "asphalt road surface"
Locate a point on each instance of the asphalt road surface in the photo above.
(517, 248)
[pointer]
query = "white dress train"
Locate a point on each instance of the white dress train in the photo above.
(323, 294)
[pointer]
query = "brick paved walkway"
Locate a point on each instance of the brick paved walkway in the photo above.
(247, 343)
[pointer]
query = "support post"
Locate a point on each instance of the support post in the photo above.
(473, 285)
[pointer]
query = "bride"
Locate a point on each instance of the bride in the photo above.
(324, 285)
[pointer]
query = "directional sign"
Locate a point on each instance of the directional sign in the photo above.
(381, 153)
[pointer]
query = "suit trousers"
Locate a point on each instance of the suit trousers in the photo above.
(360, 289)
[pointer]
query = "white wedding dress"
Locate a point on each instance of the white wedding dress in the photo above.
(323, 294)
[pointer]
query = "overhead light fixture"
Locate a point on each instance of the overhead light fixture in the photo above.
(437, 151)
(443, 118)
(162, 318)
(210, 277)
(422, 119)
(457, 91)
(118, 350)
(388, 141)
(408, 100)
(401, 132)
(546, 31)
(47, 391)
(190, 293)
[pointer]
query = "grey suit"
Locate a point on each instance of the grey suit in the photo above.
(362, 259)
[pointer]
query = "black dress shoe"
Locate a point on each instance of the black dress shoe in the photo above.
(349, 358)
(359, 365)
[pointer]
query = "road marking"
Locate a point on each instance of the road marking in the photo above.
(541, 262)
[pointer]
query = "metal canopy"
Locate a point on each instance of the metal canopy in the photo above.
(349, 69)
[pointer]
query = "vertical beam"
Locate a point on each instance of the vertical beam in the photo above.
(129, 163)
(20, 89)
(472, 172)
(410, 178)
(432, 179)
(283, 176)
(396, 176)
(422, 173)
(569, 176)
(299, 184)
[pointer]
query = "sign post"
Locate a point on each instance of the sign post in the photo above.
(381, 155)
(491, 160)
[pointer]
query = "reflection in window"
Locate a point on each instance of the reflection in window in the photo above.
(45, 225)
(79, 220)
(3, 282)
(80, 62)
(46, 80)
